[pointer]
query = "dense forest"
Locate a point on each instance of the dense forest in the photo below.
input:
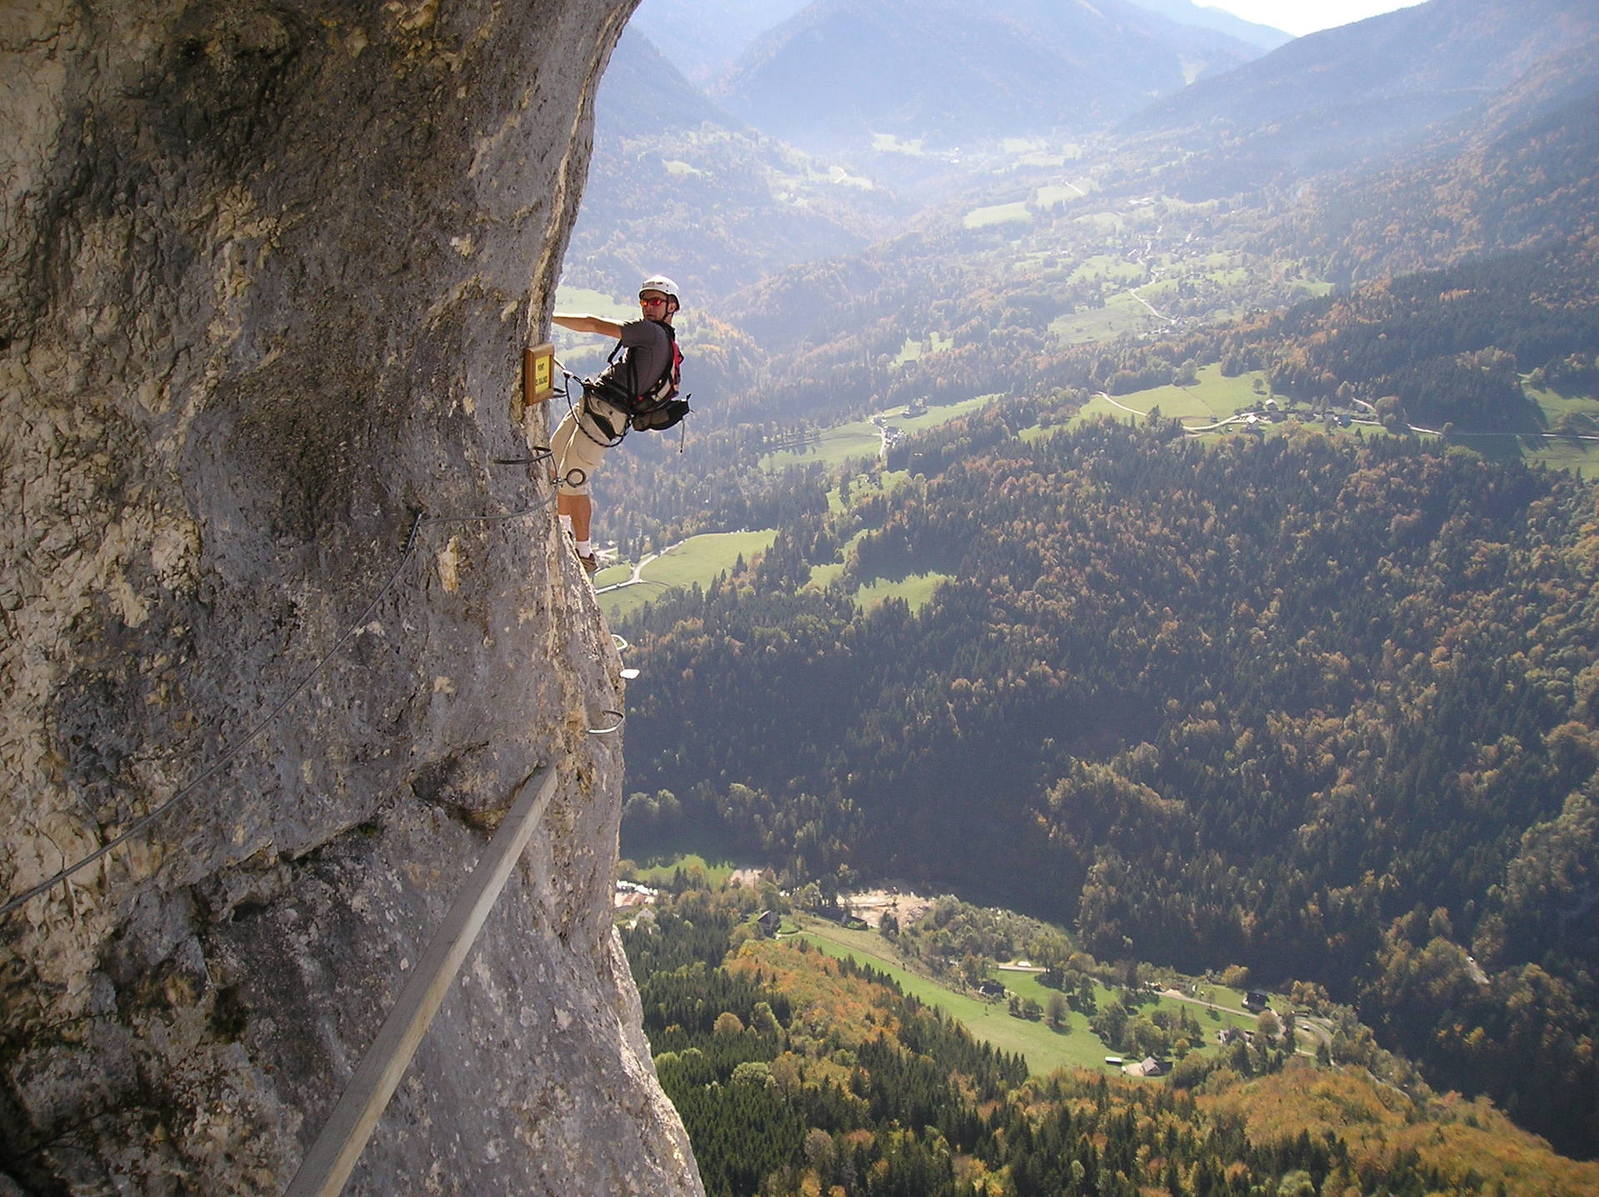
(1329, 708)
(799, 1074)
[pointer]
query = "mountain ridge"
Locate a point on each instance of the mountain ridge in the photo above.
(842, 70)
(1370, 82)
(695, 188)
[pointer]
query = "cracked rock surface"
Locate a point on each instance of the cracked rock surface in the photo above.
(268, 599)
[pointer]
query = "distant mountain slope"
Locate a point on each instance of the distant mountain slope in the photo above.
(1203, 16)
(1522, 174)
(948, 73)
(703, 38)
(1378, 85)
(677, 184)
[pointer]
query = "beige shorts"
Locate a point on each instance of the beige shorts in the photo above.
(577, 446)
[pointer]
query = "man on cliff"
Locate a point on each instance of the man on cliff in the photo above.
(638, 389)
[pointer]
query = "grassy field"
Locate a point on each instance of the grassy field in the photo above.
(1121, 314)
(1056, 194)
(1046, 1049)
(618, 604)
(841, 443)
(1581, 457)
(1557, 453)
(875, 482)
(888, 143)
(611, 575)
(1108, 267)
(1212, 397)
(915, 589)
(1036, 151)
(1555, 405)
(701, 558)
(660, 870)
(914, 350)
(1103, 222)
(698, 559)
(862, 439)
(596, 303)
(981, 218)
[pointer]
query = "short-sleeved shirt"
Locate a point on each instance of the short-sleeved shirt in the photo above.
(646, 356)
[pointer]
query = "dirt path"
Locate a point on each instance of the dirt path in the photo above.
(638, 570)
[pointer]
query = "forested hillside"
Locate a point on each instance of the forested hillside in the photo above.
(799, 1074)
(1444, 347)
(1518, 175)
(1329, 709)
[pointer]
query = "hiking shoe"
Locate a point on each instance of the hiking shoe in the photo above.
(590, 564)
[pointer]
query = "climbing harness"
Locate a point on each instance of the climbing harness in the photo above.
(582, 408)
(653, 410)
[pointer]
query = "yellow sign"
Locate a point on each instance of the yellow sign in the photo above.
(538, 373)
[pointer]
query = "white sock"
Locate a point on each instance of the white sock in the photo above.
(585, 548)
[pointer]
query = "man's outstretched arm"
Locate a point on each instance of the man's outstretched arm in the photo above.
(588, 324)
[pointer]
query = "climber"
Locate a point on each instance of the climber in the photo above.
(638, 389)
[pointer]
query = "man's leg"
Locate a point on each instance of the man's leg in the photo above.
(575, 455)
(580, 510)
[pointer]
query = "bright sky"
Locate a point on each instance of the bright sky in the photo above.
(1300, 17)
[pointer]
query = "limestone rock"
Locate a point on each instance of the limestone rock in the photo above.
(265, 273)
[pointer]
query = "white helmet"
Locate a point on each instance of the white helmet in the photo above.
(659, 282)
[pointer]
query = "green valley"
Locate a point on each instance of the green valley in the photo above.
(819, 1061)
(1232, 598)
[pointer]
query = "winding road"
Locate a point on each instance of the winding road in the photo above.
(638, 569)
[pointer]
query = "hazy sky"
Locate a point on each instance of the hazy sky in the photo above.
(1300, 17)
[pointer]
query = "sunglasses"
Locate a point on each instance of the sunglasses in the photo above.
(648, 300)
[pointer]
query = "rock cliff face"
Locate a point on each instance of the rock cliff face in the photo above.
(265, 272)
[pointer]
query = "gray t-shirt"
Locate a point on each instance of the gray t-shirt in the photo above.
(646, 356)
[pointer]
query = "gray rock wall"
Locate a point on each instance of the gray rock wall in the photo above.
(265, 273)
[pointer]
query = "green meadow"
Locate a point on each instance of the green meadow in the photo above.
(914, 350)
(915, 589)
(1212, 397)
(1046, 1048)
(1106, 266)
(863, 439)
(1014, 213)
(1120, 314)
(698, 559)
(835, 446)
(660, 871)
(1055, 194)
(597, 303)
